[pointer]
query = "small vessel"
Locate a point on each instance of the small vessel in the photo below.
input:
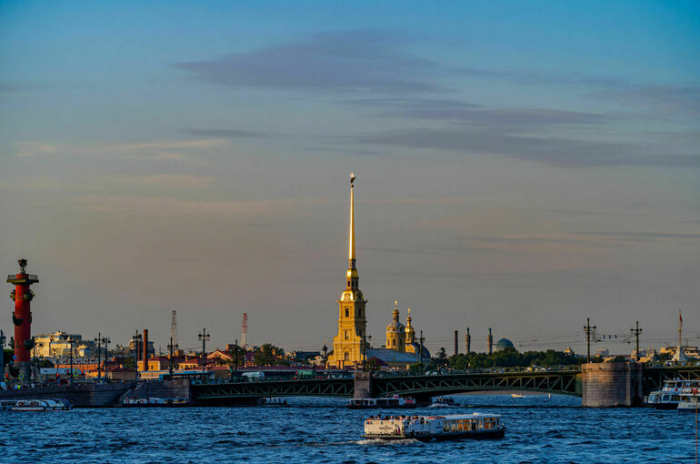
(155, 402)
(689, 401)
(443, 402)
(394, 401)
(426, 428)
(42, 405)
(270, 401)
(670, 394)
(518, 395)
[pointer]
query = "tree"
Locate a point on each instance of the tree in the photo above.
(269, 355)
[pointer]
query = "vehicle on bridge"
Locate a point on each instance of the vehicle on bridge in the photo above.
(426, 428)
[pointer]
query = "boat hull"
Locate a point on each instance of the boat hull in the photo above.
(471, 435)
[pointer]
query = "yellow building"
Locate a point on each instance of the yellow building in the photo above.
(396, 333)
(349, 345)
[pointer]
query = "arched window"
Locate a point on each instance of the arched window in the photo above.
(347, 312)
(346, 356)
(347, 335)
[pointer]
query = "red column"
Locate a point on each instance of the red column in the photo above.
(23, 320)
(22, 317)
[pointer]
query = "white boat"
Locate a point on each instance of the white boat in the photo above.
(41, 405)
(426, 428)
(394, 401)
(670, 394)
(273, 402)
(690, 397)
(443, 402)
(155, 402)
(516, 395)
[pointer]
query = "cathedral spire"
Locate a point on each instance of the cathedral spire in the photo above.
(352, 221)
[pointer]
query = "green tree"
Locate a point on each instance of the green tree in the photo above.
(269, 355)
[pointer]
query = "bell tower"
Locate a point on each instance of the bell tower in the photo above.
(348, 347)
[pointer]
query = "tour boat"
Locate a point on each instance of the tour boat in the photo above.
(41, 405)
(669, 395)
(155, 402)
(443, 402)
(394, 401)
(689, 401)
(517, 395)
(426, 428)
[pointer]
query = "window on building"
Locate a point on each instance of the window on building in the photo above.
(346, 356)
(347, 335)
(347, 312)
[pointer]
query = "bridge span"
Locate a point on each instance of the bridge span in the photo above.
(609, 384)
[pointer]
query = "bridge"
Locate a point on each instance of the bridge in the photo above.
(422, 387)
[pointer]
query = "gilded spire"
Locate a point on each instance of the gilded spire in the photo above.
(352, 221)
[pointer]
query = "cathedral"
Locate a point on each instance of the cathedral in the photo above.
(350, 345)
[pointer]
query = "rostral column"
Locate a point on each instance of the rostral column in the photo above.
(22, 318)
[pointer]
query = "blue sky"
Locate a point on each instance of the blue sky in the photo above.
(517, 163)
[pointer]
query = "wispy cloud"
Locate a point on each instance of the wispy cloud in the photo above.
(456, 111)
(168, 180)
(349, 61)
(161, 149)
(640, 236)
(551, 150)
(163, 206)
(667, 100)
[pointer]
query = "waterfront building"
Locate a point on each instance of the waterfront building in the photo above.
(58, 345)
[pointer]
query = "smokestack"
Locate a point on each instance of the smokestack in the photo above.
(145, 349)
(456, 342)
(468, 341)
(490, 342)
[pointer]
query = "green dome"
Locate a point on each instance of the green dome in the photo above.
(502, 344)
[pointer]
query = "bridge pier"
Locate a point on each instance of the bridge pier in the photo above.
(363, 385)
(614, 384)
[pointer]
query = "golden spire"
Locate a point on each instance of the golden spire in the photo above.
(396, 311)
(352, 221)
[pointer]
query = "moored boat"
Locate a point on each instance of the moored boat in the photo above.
(42, 405)
(443, 402)
(155, 402)
(426, 428)
(273, 401)
(517, 395)
(394, 402)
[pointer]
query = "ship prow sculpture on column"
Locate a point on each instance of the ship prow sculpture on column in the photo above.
(22, 319)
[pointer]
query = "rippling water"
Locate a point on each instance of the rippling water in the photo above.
(322, 430)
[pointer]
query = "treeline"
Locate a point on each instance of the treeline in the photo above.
(509, 357)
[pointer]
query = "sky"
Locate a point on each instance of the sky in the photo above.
(521, 166)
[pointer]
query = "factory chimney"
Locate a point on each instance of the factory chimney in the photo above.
(145, 350)
(490, 342)
(468, 341)
(456, 342)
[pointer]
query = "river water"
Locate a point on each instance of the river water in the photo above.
(539, 429)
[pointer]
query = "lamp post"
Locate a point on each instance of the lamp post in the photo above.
(171, 347)
(70, 379)
(204, 336)
(636, 332)
(589, 330)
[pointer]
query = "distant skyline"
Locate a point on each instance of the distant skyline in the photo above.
(521, 166)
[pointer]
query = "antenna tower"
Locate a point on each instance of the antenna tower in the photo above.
(244, 332)
(173, 331)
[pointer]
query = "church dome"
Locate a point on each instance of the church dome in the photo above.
(502, 344)
(395, 327)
